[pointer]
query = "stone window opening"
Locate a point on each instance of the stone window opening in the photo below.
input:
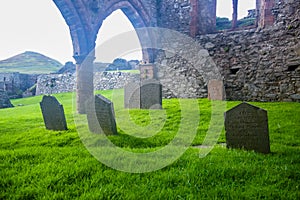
(292, 68)
(234, 71)
(238, 14)
(129, 46)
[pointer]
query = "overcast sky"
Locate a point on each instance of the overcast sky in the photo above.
(37, 25)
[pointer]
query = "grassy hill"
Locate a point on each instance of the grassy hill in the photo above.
(30, 63)
(36, 163)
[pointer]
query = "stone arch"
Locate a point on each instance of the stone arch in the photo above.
(139, 18)
(84, 18)
(74, 19)
(134, 10)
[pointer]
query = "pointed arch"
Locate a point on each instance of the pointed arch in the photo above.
(138, 17)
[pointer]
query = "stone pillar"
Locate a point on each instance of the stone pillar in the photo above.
(147, 71)
(266, 17)
(234, 13)
(257, 12)
(84, 81)
(194, 24)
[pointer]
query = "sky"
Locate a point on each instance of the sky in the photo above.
(37, 25)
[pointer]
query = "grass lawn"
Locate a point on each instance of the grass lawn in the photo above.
(36, 163)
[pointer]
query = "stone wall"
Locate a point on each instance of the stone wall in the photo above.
(113, 80)
(256, 64)
(55, 83)
(187, 16)
(59, 83)
(16, 83)
(4, 100)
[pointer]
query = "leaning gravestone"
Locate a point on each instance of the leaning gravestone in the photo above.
(215, 90)
(4, 100)
(101, 116)
(246, 127)
(53, 114)
(151, 94)
(132, 95)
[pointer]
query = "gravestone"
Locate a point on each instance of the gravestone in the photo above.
(132, 95)
(53, 114)
(246, 127)
(148, 95)
(216, 90)
(151, 94)
(101, 116)
(147, 71)
(4, 100)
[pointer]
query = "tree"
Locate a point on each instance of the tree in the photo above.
(118, 64)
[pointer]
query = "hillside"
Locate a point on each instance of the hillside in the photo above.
(30, 63)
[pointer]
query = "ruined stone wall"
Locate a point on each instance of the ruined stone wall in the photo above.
(4, 100)
(187, 16)
(207, 16)
(16, 83)
(174, 14)
(59, 83)
(55, 83)
(256, 65)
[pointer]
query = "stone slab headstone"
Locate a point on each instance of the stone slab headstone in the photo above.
(246, 127)
(4, 100)
(215, 90)
(132, 95)
(151, 94)
(53, 114)
(101, 116)
(147, 71)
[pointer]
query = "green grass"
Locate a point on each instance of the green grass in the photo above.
(28, 70)
(39, 164)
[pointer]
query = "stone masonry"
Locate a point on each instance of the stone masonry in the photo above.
(16, 83)
(58, 83)
(4, 100)
(258, 64)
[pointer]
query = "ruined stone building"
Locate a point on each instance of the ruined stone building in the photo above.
(14, 84)
(259, 64)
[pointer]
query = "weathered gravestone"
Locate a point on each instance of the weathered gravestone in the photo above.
(215, 90)
(132, 97)
(151, 94)
(101, 116)
(147, 71)
(146, 95)
(4, 100)
(246, 127)
(53, 114)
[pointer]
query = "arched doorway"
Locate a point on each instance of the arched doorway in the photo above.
(84, 20)
(117, 39)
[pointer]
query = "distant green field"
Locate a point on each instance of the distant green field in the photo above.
(29, 70)
(36, 163)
